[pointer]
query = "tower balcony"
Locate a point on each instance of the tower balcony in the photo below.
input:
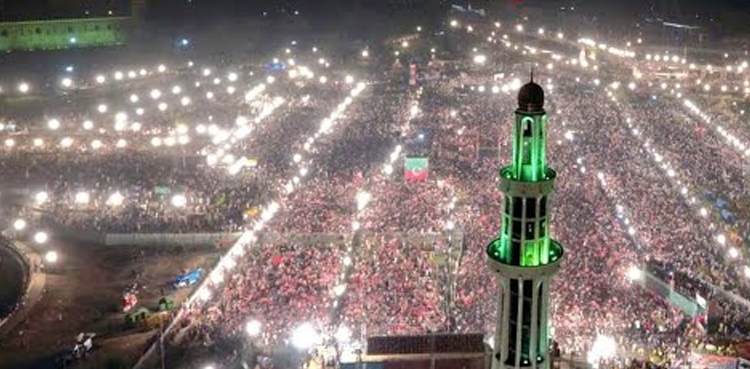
(512, 187)
(498, 265)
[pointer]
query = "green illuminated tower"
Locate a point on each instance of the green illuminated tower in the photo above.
(524, 257)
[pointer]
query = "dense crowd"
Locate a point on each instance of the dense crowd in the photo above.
(415, 262)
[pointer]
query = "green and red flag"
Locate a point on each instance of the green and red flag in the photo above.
(416, 168)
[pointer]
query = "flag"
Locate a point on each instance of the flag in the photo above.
(700, 300)
(416, 168)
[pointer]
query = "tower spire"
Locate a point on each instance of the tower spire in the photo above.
(524, 258)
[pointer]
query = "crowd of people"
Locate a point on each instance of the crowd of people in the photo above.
(401, 270)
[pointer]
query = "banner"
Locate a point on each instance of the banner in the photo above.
(416, 168)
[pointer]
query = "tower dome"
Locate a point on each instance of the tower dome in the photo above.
(531, 97)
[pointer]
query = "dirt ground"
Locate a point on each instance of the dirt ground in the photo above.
(83, 293)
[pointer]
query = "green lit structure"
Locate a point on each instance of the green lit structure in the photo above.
(524, 257)
(63, 33)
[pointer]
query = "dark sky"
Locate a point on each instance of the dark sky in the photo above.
(30, 9)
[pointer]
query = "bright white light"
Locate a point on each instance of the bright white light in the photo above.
(185, 101)
(270, 79)
(363, 198)
(134, 98)
(118, 75)
(343, 335)
(53, 124)
(747, 271)
(155, 94)
(41, 237)
(66, 82)
(604, 347)
(38, 142)
(41, 197)
(349, 79)
(721, 239)
(176, 90)
(179, 201)
(82, 198)
(121, 117)
(101, 79)
(156, 142)
(733, 252)
(305, 336)
(162, 68)
(206, 72)
(19, 224)
(116, 199)
(10, 142)
(50, 256)
(66, 142)
(253, 328)
(96, 144)
(339, 289)
(480, 59)
(163, 106)
(365, 53)
(121, 143)
(204, 294)
(102, 108)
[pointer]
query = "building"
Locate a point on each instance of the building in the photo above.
(71, 26)
(524, 257)
(63, 33)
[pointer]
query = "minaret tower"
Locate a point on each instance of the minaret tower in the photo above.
(524, 257)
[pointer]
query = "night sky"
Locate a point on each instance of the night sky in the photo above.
(678, 10)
